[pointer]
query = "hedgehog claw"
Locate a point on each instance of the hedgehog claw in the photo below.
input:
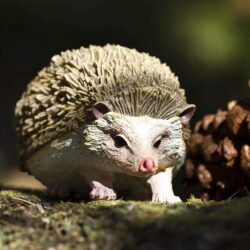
(165, 198)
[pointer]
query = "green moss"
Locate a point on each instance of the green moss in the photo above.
(12, 194)
(121, 224)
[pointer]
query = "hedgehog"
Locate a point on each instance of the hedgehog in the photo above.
(102, 120)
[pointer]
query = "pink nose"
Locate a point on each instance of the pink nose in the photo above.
(147, 165)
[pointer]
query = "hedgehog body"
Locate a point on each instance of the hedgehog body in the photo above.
(100, 112)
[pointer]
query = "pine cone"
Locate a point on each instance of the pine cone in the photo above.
(219, 153)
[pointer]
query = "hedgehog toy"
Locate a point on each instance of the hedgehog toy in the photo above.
(102, 119)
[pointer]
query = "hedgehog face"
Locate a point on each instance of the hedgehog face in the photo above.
(137, 145)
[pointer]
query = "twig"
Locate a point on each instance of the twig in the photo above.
(38, 206)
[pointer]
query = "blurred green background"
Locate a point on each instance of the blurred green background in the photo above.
(206, 43)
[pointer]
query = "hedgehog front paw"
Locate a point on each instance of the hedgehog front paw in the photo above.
(163, 197)
(174, 199)
(100, 192)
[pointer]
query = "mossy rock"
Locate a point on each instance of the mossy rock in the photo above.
(29, 221)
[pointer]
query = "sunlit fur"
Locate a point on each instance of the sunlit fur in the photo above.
(140, 134)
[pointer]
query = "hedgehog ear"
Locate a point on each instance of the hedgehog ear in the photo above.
(101, 108)
(187, 113)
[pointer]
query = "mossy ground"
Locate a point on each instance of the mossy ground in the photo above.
(29, 221)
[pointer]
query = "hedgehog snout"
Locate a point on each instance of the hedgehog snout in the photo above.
(147, 165)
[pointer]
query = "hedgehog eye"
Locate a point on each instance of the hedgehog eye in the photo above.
(120, 142)
(157, 143)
